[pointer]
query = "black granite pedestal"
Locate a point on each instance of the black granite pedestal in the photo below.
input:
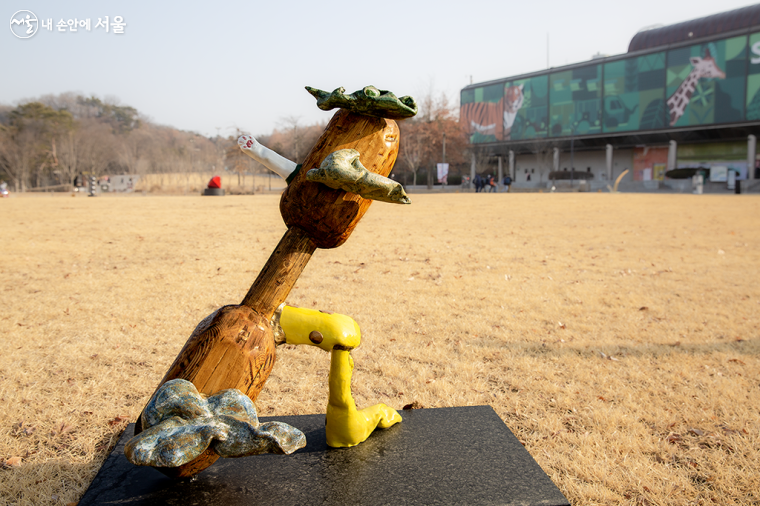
(441, 456)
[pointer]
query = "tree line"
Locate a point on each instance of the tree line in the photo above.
(47, 142)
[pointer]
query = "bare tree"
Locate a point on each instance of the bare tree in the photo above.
(235, 160)
(294, 141)
(413, 148)
(135, 151)
(17, 156)
(29, 149)
(422, 137)
(61, 136)
(291, 127)
(88, 149)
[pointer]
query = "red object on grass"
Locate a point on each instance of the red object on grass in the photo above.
(216, 182)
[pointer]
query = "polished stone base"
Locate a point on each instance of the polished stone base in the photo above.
(435, 456)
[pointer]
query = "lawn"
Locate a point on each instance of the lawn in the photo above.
(615, 334)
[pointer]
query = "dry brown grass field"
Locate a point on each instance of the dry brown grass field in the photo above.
(194, 182)
(616, 335)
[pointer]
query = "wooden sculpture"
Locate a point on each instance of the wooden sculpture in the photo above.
(234, 347)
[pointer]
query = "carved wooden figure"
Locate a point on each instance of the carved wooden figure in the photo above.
(234, 347)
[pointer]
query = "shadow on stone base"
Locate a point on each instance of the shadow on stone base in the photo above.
(442, 456)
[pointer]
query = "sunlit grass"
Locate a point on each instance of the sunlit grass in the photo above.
(616, 335)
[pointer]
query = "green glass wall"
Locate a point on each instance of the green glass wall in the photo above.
(575, 101)
(753, 78)
(702, 84)
(634, 93)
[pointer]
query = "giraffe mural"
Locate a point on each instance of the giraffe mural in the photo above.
(702, 67)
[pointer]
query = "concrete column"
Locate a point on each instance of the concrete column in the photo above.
(556, 160)
(672, 155)
(499, 184)
(512, 165)
(472, 171)
(609, 162)
(751, 155)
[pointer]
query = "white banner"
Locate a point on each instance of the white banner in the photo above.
(719, 173)
(443, 172)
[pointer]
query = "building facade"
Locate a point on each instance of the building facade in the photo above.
(684, 99)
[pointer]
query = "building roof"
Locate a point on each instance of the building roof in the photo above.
(725, 22)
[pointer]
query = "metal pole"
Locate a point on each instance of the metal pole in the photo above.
(500, 184)
(609, 162)
(672, 155)
(443, 181)
(572, 159)
(444, 147)
(751, 154)
(472, 169)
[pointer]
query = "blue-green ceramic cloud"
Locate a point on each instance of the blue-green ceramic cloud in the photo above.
(180, 424)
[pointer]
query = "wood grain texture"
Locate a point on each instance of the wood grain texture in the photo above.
(231, 348)
(234, 348)
(280, 273)
(329, 216)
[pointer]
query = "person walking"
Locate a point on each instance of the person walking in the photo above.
(491, 184)
(478, 183)
(507, 183)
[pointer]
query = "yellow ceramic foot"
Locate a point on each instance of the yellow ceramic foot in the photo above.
(345, 425)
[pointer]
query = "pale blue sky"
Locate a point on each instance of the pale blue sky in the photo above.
(244, 63)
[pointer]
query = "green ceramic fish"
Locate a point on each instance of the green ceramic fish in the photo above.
(342, 170)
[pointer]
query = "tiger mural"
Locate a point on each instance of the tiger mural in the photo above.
(513, 101)
(493, 118)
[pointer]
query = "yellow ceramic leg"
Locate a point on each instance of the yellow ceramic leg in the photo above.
(345, 425)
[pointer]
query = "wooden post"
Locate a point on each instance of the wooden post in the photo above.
(280, 273)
